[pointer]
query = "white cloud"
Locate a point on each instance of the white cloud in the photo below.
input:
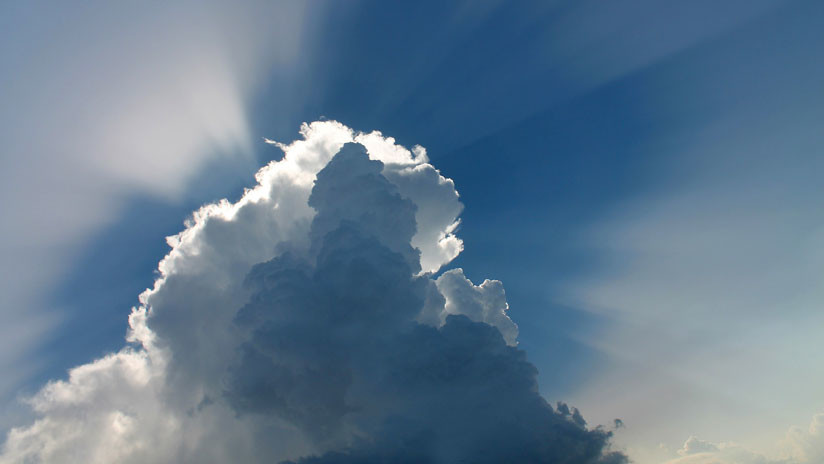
(807, 444)
(799, 446)
(697, 451)
(161, 399)
(482, 303)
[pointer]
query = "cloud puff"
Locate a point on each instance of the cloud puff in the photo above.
(800, 446)
(303, 323)
(807, 445)
(700, 452)
(481, 303)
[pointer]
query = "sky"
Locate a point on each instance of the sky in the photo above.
(442, 223)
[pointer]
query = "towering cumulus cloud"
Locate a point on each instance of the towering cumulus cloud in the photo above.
(304, 324)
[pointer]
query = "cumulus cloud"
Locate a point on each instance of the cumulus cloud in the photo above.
(696, 451)
(304, 322)
(481, 303)
(800, 446)
(807, 444)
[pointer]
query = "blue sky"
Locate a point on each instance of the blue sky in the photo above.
(642, 176)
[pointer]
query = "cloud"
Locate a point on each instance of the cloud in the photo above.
(807, 444)
(696, 451)
(800, 446)
(482, 303)
(695, 445)
(304, 323)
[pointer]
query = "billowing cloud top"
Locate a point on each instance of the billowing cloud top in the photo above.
(304, 323)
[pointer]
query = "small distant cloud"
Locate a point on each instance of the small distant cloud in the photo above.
(800, 446)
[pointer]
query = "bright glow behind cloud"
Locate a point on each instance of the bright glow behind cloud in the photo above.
(110, 100)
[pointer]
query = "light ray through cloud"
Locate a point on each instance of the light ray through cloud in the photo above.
(108, 101)
(642, 175)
